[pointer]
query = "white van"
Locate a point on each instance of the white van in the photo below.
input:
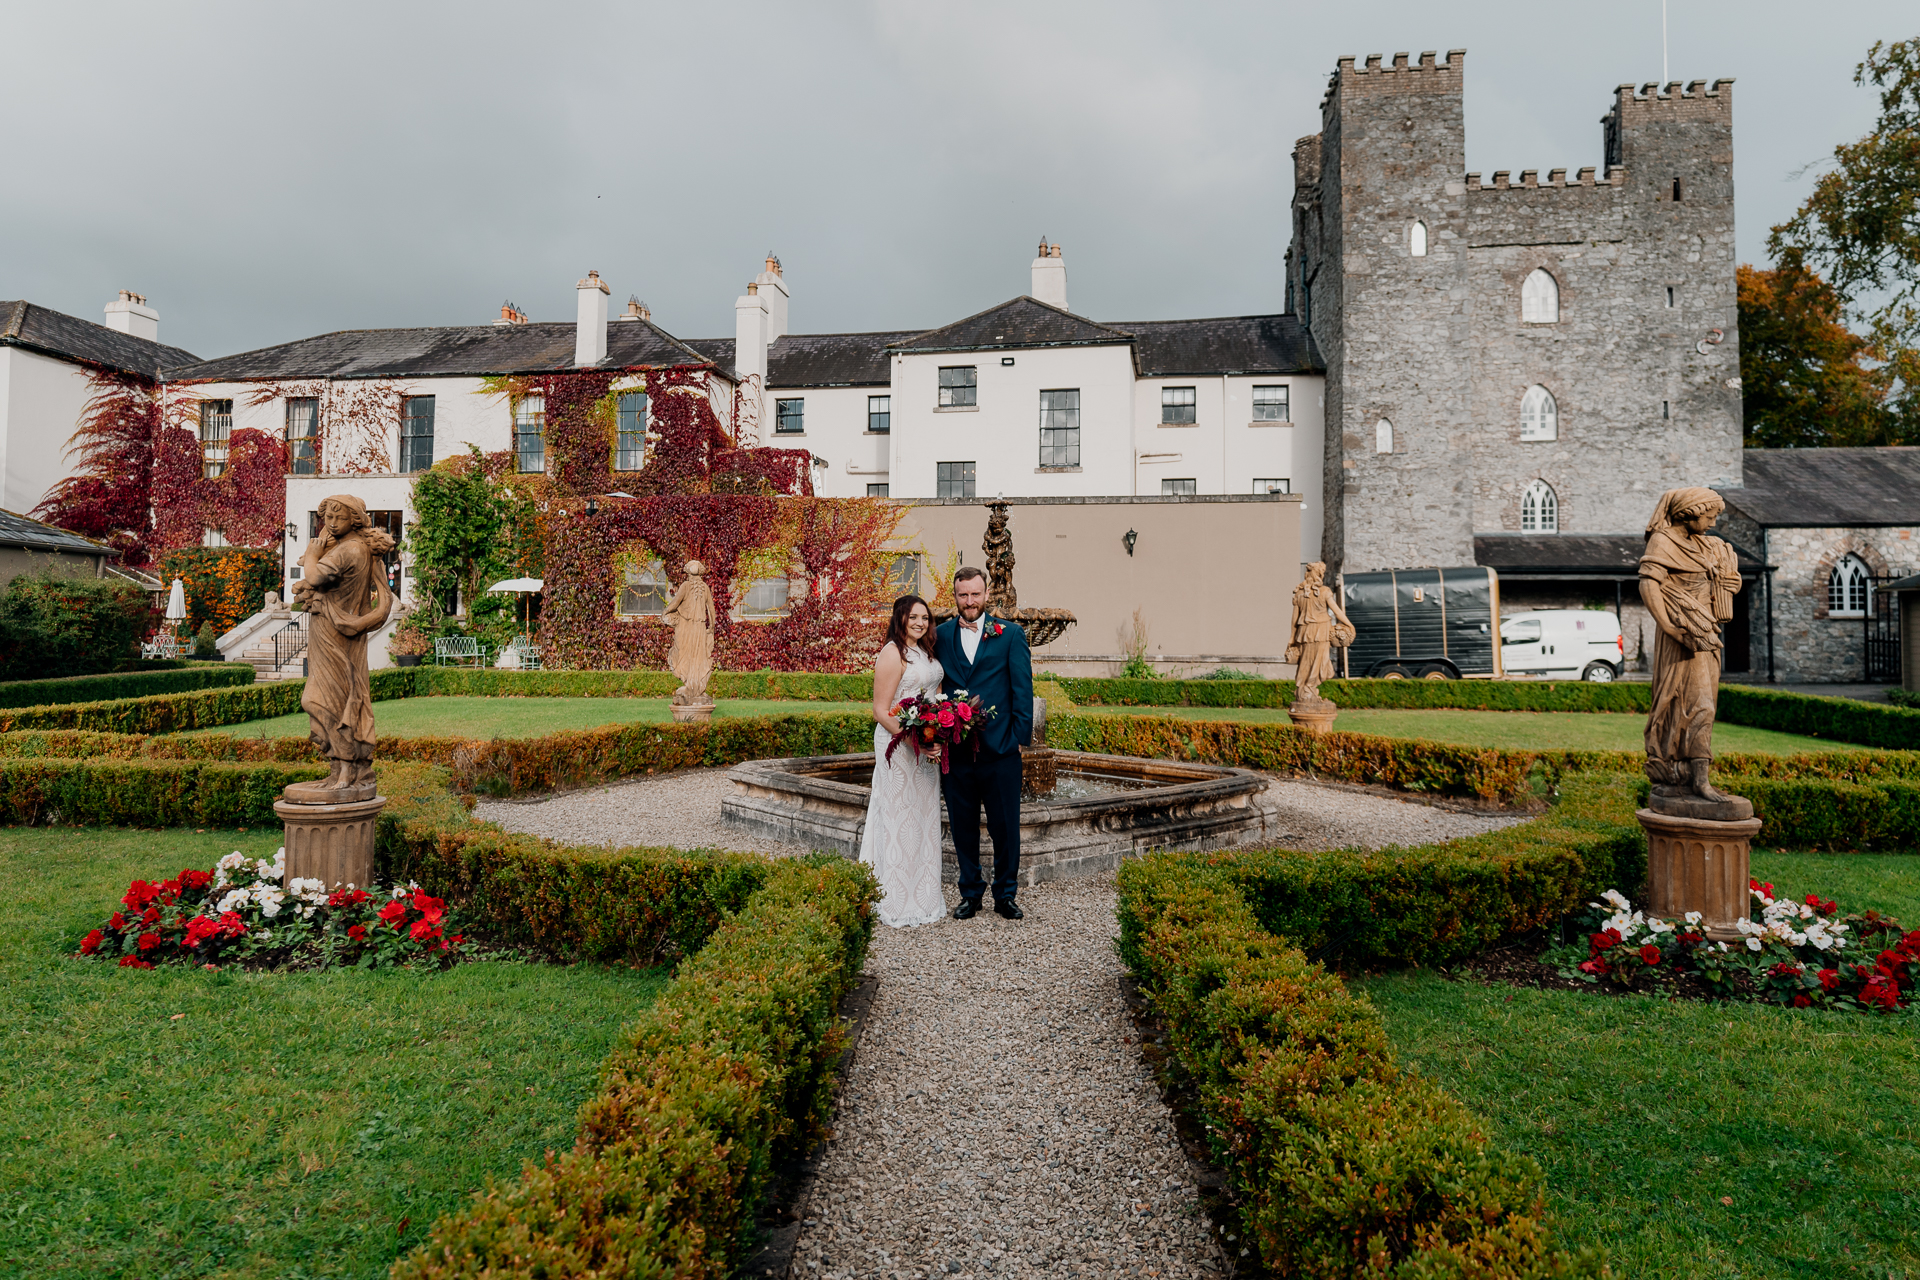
(1563, 644)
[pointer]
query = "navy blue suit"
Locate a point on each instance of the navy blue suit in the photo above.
(1001, 674)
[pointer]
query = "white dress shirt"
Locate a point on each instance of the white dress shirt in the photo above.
(970, 636)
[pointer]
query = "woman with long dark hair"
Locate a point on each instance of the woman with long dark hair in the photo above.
(902, 837)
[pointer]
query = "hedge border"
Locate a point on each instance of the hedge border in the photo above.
(123, 684)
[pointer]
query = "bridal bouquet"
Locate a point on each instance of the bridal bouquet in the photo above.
(947, 721)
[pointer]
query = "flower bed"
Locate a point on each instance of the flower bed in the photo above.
(1799, 954)
(239, 911)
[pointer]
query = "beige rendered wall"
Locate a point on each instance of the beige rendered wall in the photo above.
(1212, 576)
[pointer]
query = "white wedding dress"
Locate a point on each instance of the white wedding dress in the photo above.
(901, 841)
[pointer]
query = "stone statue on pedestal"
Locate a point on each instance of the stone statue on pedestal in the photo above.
(1320, 625)
(1698, 840)
(997, 545)
(691, 614)
(330, 824)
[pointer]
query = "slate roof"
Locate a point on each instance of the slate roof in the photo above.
(18, 531)
(1227, 344)
(1023, 322)
(1572, 555)
(818, 359)
(469, 350)
(1826, 488)
(54, 333)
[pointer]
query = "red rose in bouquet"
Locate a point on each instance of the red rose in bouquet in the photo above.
(948, 721)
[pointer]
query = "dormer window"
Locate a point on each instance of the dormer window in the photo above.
(1540, 298)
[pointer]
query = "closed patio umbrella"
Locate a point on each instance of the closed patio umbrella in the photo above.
(177, 602)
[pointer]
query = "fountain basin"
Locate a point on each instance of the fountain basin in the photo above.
(1106, 808)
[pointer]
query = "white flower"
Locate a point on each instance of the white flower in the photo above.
(232, 862)
(269, 899)
(280, 856)
(1616, 900)
(1753, 944)
(1694, 917)
(233, 901)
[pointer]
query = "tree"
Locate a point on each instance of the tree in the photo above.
(1860, 228)
(1804, 383)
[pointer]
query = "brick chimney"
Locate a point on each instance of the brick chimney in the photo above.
(590, 337)
(510, 314)
(1050, 276)
(772, 288)
(130, 314)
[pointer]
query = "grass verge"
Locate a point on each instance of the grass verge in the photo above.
(287, 1125)
(518, 717)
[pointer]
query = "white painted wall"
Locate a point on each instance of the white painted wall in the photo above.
(41, 400)
(836, 430)
(1001, 436)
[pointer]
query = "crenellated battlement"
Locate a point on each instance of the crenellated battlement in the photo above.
(1375, 77)
(1694, 100)
(1557, 180)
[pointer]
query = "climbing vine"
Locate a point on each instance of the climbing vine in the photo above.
(110, 494)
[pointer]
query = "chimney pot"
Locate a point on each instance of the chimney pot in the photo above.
(636, 309)
(1050, 276)
(590, 325)
(130, 314)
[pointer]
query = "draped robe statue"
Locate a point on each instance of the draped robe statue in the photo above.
(1687, 580)
(1318, 624)
(690, 612)
(343, 583)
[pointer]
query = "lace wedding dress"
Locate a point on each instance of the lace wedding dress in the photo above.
(901, 841)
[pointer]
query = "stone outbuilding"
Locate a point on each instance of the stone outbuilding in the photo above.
(1837, 527)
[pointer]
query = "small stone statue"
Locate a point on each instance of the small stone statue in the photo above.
(1687, 580)
(691, 657)
(1319, 625)
(343, 584)
(997, 544)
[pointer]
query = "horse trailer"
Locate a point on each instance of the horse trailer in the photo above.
(1433, 624)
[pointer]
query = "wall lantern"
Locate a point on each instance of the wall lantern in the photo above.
(1130, 537)
(293, 530)
(593, 506)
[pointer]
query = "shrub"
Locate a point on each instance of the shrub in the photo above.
(1343, 1165)
(209, 709)
(224, 585)
(797, 686)
(728, 1072)
(1903, 697)
(52, 626)
(127, 684)
(144, 793)
(1837, 719)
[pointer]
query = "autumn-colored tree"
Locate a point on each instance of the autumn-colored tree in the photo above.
(109, 495)
(1805, 375)
(1860, 228)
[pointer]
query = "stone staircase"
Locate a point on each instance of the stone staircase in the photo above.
(277, 655)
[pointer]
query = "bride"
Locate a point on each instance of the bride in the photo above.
(901, 841)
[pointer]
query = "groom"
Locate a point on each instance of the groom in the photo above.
(987, 657)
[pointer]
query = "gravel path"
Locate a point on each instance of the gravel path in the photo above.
(998, 1121)
(683, 809)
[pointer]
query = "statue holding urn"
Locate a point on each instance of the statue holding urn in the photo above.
(1698, 839)
(343, 586)
(1320, 626)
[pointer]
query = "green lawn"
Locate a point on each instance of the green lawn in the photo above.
(1645, 1113)
(1520, 730)
(181, 1123)
(524, 717)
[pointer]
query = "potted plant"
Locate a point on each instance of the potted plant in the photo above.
(409, 643)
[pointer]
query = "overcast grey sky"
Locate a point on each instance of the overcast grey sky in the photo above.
(265, 172)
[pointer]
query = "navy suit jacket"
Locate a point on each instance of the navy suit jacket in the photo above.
(1001, 674)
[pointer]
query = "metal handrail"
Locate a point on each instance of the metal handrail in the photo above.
(289, 641)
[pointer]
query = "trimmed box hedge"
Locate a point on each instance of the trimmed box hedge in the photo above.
(1868, 724)
(798, 686)
(124, 684)
(1465, 695)
(144, 793)
(1343, 1165)
(729, 1071)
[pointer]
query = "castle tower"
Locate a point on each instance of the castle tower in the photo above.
(1380, 262)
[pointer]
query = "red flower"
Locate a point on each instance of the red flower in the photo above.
(456, 939)
(1801, 1002)
(1691, 939)
(148, 941)
(423, 930)
(1595, 965)
(91, 943)
(394, 912)
(1604, 939)
(139, 894)
(431, 908)
(1829, 978)
(357, 932)
(199, 929)
(1649, 954)
(232, 925)
(150, 916)
(133, 962)
(946, 716)
(962, 710)
(196, 879)
(116, 922)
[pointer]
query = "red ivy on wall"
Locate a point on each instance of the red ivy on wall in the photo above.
(110, 495)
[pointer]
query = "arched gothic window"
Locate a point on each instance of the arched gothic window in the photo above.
(1540, 298)
(1849, 588)
(1417, 239)
(1539, 509)
(1383, 437)
(1539, 415)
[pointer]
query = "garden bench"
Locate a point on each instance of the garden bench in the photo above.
(458, 650)
(529, 653)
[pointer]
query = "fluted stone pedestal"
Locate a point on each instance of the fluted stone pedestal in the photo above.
(1313, 715)
(1700, 864)
(332, 843)
(686, 707)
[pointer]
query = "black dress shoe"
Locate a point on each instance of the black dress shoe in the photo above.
(967, 910)
(1009, 908)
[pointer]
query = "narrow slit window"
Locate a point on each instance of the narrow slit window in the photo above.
(1676, 188)
(1383, 436)
(1669, 296)
(1417, 240)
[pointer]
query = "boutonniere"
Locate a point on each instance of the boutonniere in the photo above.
(994, 628)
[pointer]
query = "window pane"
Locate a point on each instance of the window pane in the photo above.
(1177, 405)
(216, 429)
(645, 590)
(1278, 485)
(1520, 632)
(789, 417)
(303, 425)
(878, 491)
(416, 434)
(1270, 404)
(530, 433)
(1060, 428)
(1177, 488)
(880, 414)
(1539, 415)
(630, 437)
(767, 598)
(953, 480)
(958, 386)
(1540, 298)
